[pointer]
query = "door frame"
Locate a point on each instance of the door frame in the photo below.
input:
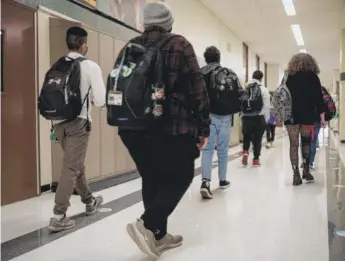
(35, 26)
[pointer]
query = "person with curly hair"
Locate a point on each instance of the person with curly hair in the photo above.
(307, 103)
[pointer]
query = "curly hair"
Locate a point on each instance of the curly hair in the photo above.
(302, 62)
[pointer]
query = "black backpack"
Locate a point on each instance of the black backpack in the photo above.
(251, 100)
(223, 91)
(60, 97)
(131, 85)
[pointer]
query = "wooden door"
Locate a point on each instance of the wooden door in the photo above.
(18, 104)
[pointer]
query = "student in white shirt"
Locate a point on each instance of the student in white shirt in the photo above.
(74, 135)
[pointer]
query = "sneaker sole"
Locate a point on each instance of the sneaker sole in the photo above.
(139, 240)
(95, 210)
(205, 194)
(165, 248)
(310, 181)
(224, 187)
(59, 229)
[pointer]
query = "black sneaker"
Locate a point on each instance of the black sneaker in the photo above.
(224, 184)
(297, 180)
(309, 178)
(205, 190)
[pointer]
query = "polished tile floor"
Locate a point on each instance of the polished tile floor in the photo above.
(261, 217)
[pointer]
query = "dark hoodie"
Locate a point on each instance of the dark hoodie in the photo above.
(222, 103)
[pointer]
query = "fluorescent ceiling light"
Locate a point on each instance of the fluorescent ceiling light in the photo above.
(303, 50)
(296, 30)
(289, 7)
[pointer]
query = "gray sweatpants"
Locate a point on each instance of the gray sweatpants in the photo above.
(74, 139)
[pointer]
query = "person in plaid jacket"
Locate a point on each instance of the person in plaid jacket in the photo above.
(165, 154)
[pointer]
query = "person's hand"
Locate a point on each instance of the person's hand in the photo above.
(323, 121)
(202, 143)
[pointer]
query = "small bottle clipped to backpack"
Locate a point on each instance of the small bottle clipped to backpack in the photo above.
(53, 137)
(158, 95)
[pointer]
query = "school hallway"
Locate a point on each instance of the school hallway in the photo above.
(260, 217)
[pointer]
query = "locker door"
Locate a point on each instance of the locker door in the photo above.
(108, 133)
(93, 160)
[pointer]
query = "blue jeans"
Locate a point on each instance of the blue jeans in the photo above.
(314, 143)
(219, 131)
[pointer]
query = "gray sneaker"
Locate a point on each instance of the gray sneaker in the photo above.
(64, 224)
(143, 238)
(91, 209)
(169, 242)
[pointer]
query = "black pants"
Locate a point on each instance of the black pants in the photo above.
(253, 128)
(166, 165)
(270, 132)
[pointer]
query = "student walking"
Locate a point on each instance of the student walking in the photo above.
(167, 133)
(313, 145)
(68, 90)
(255, 114)
(224, 90)
(304, 86)
(271, 129)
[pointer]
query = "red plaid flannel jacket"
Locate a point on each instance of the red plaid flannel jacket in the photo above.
(187, 98)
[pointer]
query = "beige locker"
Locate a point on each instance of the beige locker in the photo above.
(108, 133)
(93, 160)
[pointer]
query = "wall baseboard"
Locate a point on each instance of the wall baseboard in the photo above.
(100, 184)
(45, 188)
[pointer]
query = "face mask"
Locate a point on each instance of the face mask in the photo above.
(85, 52)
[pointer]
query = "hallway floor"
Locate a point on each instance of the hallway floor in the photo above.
(260, 217)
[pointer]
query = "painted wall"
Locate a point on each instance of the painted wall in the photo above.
(203, 29)
(274, 75)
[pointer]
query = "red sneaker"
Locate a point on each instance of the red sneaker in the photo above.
(256, 163)
(245, 158)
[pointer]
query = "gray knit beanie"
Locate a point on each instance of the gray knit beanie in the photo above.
(158, 14)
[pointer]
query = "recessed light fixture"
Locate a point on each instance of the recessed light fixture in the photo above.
(289, 7)
(303, 50)
(296, 30)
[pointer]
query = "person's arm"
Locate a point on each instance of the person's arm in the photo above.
(97, 85)
(266, 103)
(197, 90)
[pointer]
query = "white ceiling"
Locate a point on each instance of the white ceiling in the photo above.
(265, 27)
